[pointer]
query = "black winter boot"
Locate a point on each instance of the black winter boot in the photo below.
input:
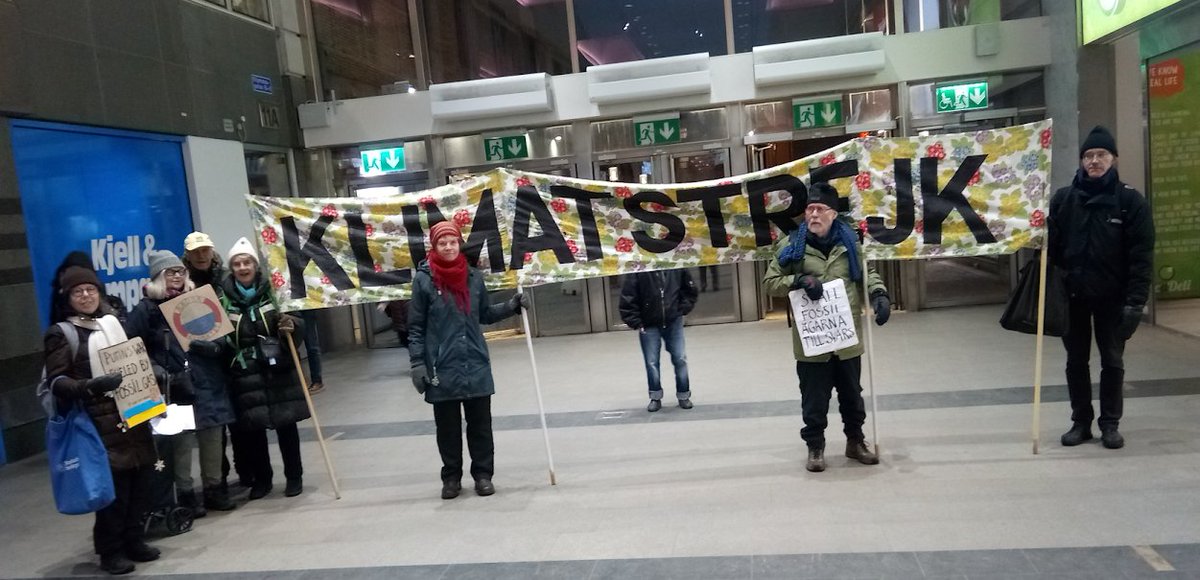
(216, 499)
(1079, 433)
(451, 488)
(116, 564)
(857, 449)
(140, 551)
(1111, 438)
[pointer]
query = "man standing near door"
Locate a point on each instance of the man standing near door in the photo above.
(654, 304)
(1102, 236)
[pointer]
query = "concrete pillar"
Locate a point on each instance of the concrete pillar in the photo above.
(1063, 90)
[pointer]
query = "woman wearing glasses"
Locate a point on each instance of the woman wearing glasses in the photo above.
(78, 378)
(186, 385)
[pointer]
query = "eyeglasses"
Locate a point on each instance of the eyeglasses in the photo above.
(815, 208)
(1097, 156)
(81, 291)
(176, 272)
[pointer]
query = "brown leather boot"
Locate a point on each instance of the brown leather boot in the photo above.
(816, 459)
(858, 450)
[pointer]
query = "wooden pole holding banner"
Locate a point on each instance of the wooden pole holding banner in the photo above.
(337, 492)
(1037, 359)
(870, 350)
(537, 388)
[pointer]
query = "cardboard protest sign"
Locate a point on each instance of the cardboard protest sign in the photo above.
(197, 315)
(967, 194)
(825, 325)
(138, 398)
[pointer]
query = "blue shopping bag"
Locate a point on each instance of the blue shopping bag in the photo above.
(79, 470)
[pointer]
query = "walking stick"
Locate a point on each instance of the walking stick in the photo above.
(337, 492)
(537, 387)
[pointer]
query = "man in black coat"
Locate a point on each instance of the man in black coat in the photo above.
(1102, 235)
(654, 304)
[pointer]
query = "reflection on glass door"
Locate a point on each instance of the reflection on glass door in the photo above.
(717, 284)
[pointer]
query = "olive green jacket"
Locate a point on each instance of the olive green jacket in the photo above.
(778, 282)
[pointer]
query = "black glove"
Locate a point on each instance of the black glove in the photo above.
(519, 301)
(810, 284)
(420, 378)
(882, 305)
(104, 383)
(1131, 317)
(205, 348)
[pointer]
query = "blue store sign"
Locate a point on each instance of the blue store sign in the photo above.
(260, 84)
(115, 195)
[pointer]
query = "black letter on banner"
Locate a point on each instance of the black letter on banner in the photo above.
(411, 216)
(485, 230)
(905, 209)
(676, 230)
(529, 203)
(848, 168)
(711, 198)
(939, 205)
(313, 251)
(587, 218)
(785, 218)
(367, 276)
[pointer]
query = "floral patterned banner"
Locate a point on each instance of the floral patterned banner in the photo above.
(966, 194)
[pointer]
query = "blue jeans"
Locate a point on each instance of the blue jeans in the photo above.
(672, 336)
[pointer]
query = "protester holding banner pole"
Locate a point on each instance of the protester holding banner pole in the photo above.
(77, 376)
(191, 381)
(449, 356)
(265, 389)
(821, 250)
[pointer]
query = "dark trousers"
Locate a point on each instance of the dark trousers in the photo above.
(479, 437)
(120, 524)
(817, 382)
(250, 453)
(1105, 317)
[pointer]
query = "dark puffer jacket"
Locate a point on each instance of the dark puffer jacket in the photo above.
(449, 342)
(264, 396)
(126, 449)
(199, 379)
(656, 298)
(1104, 241)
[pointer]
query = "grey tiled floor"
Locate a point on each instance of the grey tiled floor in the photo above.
(715, 492)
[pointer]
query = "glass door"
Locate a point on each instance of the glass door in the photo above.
(718, 300)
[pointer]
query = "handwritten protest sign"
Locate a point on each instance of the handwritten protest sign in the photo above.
(197, 315)
(138, 398)
(826, 325)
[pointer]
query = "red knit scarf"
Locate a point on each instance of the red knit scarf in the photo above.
(451, 277)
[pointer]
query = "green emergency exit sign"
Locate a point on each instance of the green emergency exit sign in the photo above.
(656, 130)
(505, 147)
(817, 113)
(381, 161)
(961, 97)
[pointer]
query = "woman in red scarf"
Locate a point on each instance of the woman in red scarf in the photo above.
(450, 361)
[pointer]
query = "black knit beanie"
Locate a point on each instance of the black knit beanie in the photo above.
(1099, 138)
(822, 192)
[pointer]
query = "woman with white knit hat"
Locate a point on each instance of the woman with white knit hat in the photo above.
(265, 389)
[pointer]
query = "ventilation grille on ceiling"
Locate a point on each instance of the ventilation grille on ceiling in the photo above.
(512, 95)
(658, 78)
(822, 58)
